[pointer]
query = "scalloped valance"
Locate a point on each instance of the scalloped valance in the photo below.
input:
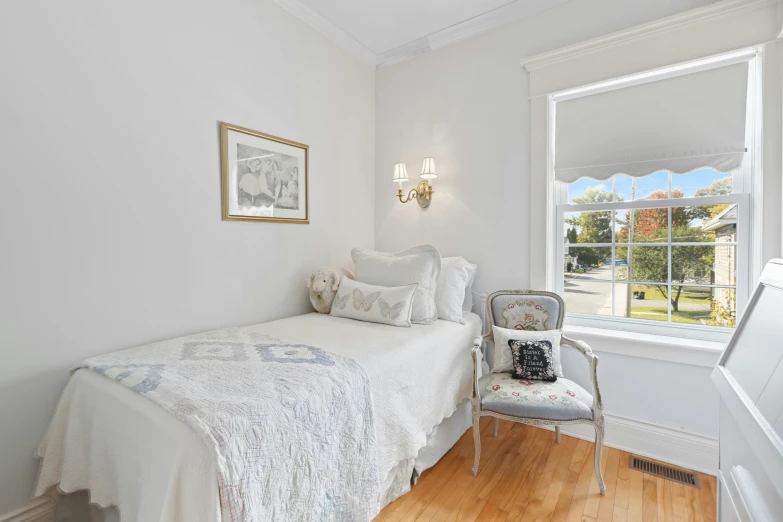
(679, 124)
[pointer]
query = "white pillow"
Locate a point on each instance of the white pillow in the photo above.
(503, 361)
(455, 276)
(375, 304)
(419, 265)
(467, 305)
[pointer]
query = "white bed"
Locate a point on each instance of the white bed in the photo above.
(130, 453)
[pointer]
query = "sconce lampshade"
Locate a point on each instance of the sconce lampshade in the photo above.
(400, 173)
(428, 169)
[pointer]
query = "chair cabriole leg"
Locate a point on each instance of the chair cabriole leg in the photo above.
(599, 447)
(476, 442)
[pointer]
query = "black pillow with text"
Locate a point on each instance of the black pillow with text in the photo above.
(532, 360)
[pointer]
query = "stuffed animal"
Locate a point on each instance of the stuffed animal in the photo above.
(323, 285)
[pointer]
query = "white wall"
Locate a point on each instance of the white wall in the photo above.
(467, 106)
(110, 221)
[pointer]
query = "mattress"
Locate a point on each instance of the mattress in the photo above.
(131, 454)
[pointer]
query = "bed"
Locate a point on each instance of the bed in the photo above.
(130, 453)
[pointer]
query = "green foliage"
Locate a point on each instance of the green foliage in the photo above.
(719, 187)
(595, 195)
(591, 227)
(725, 312)
(688, 263)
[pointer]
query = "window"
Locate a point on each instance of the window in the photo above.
(637, 249)
(653, 210)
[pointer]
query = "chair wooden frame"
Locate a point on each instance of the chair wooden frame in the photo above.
(598, 417)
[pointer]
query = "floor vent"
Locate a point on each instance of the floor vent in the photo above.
(659, 470)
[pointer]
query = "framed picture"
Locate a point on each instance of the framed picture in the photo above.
(264, 177)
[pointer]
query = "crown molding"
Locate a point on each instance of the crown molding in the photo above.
(504, 14)
(722, 9)
(321, 24)
(514, 10)
(510, 12)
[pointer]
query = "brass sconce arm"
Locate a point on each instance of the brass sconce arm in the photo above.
(422, 194)
(411, 195)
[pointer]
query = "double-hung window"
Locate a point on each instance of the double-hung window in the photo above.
(652, 199)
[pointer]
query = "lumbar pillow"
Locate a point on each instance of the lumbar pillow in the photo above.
(375, 304)
(504, 361)
(532, 360)
(323, 284)
(455, 276)
(420, 265)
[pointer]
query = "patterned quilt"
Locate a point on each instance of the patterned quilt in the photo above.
(291, 425)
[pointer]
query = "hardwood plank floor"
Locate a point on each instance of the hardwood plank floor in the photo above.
(526, 476)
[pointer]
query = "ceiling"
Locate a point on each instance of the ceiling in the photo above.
(382, 32)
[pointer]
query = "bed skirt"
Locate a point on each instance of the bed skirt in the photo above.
(439, 442)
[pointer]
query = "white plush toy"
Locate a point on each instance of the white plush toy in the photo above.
(323, 285)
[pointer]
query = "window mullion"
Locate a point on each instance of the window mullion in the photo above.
(669, 248)
(629, 288)
(614, 248)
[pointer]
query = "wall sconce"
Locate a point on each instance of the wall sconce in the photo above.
(423, 191)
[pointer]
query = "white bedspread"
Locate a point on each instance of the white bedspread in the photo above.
(131, 454)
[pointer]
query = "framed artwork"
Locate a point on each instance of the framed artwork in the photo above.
(265, 178)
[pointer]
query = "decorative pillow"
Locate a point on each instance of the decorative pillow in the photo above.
(455, 275)
(375, 304)
(504, 362)
(420, 265)
(532, 360)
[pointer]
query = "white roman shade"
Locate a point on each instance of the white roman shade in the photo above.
(679, 124)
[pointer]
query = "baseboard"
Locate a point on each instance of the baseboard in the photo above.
(41, 509)
(645, 439)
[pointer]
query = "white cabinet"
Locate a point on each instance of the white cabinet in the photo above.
(749, 377)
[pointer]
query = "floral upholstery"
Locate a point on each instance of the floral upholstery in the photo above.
(524, 312)
(561, 400)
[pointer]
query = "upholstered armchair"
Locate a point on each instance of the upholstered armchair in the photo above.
(538, 403)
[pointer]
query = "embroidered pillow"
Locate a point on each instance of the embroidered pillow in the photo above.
(504, 362)
(375, 304)
(532, 360)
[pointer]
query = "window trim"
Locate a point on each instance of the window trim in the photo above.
(747, 179)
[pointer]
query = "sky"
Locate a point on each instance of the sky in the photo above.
(687, 183)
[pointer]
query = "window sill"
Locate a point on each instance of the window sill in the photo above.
(695, 352)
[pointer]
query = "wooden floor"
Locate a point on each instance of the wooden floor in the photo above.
(525, 476)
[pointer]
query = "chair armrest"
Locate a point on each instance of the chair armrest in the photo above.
(579, 345)
(592, 359)
(477, 357)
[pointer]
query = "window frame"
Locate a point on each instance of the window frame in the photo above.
(717, 333)
(746, 189)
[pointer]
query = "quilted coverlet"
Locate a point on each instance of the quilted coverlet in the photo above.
(291, 425)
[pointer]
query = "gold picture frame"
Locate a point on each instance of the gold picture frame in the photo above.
(262, 177)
